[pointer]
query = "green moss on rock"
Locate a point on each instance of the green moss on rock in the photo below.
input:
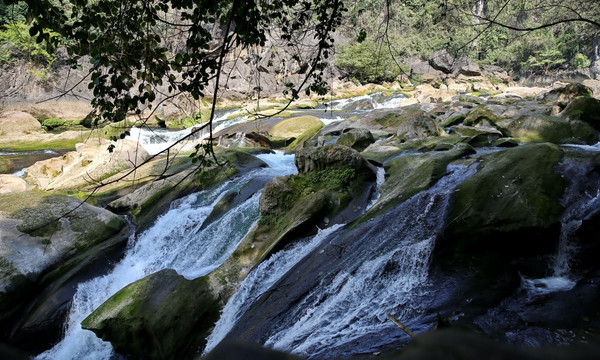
(162, 316)
(585, 109)
(514, 192)
(554, 129)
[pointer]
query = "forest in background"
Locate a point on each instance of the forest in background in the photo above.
(382, 33)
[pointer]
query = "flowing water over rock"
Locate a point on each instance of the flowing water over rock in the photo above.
(581, 200)
(259, 280)
(175, 241)
(156, 140)
(364, 273)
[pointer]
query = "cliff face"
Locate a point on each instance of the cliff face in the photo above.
(62, 91)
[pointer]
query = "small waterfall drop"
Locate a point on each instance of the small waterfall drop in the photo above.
(581, 199)
(260, 280)
(174, 241)
(157, 140)
(372, 101)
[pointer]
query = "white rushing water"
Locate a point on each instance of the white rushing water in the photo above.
(261, 279)
(155, 141)
(348, 310)
(388, 273)
(175, 241)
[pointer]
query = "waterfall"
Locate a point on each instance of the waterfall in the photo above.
(581, 200)
(155, 141)
(376, 100)
(346, 312)
(379, 267)
(260, 280)
(175, 242)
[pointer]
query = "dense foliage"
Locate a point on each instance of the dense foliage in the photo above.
(519, 35)
(134, 62)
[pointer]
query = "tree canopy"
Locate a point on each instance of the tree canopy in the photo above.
(136, 62)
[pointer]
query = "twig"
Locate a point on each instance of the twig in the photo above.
(402, 326)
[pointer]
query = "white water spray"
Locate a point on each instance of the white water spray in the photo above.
(175, 242)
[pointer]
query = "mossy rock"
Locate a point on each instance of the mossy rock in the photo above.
(554, 129)
(395, 118)
(481, 115)
(162, 316)
(505, 142)
(294, 127)
(585, 109)
(434, 143)
(511, 204)
(411, 174)
(41, 232)
(358, 139)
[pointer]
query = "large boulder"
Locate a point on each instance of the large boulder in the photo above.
(358, 139)
(418, 128)
(555, 129)
(18, 123)
(408, 175)
(328, 157)
(13, 184)
(162, 316)
(514, 200)
(562, 95)
(40, 232)
(441, 60)
(86, 167)
(585, 109)
(466, 66)
(297, 129)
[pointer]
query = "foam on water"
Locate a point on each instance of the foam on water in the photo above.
(175, 241)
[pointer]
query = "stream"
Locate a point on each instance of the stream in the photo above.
(175, 242)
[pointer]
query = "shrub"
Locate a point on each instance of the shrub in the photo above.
(581, 61)
(53, 123)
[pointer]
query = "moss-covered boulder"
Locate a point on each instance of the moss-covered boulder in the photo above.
(417, 128)
(554, 129)
(294, 131)
(585, 109)
(481, 115)
(323, 194)
(162, 316)
(41, 232)
(511, 205)
(358, 139)
(408, 175)
(328, 157)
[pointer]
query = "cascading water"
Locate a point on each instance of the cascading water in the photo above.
(581, 199)
(382, 268)
(259, 280)
(175, 242)
(156, 140)
(375, 101)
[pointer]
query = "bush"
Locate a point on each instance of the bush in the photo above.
(581, 61)
(53, 123)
